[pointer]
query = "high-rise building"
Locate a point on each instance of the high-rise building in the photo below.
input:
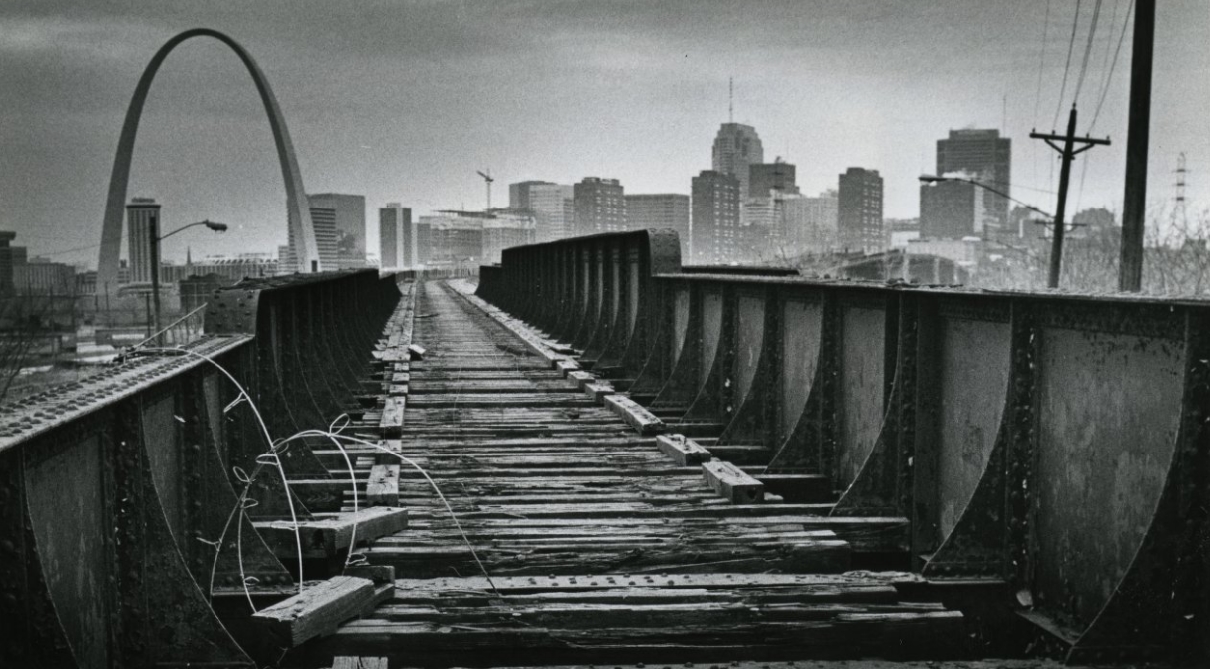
(859, 210)
(396, 238)
(142, 226)
(600, 206)
(775, 176)
(952, 209)
(349, 218)
(518, 193)
(553, 207)
(735, 148)
(664, 210)
(714, 236)
(323, 220)
(986, 156)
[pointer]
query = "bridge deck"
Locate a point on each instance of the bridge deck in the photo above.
(600, 549)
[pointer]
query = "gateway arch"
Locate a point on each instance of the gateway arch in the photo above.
(299, 212)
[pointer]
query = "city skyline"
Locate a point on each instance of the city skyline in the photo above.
(809, 82)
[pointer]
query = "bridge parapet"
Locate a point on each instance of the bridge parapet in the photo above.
(116, 490)
(1053, 442)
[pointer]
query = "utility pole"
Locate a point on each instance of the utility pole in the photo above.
(1067, 153)
(1130, 270)
(153, 231)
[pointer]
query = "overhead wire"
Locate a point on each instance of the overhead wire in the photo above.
(1075, 23)
(1092, 32)
(1112, 66)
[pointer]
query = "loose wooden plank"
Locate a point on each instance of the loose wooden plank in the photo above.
(732, 483)
(382, 488)
(331, 536)
(347, 662)
(634, 415)
(392, 417)
(416, 352)
(317, 610)
(599, 390)
(684, 451)
(581, 378)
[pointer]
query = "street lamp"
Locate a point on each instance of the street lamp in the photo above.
(155, 260)
(1056, 250)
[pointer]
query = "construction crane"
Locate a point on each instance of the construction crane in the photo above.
(487, 179)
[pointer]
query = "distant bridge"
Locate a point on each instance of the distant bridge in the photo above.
(650, 465)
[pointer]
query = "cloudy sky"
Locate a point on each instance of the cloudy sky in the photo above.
(405, 100)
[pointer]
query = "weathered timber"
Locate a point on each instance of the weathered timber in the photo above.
(329, 537)
(685, 452)
(317, 610)
(382, 488)
(732, 483)
(347, 662)
(643, 421)
(391, 421)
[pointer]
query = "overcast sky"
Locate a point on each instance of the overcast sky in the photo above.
(404, 101)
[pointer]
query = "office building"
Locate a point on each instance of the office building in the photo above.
(859, 210)
(6, 262)
(715, 233)
(519, 193)
(952, 209)
(736, 147)
(453, 237)
(553, 207)
(764, 178)
(396, 238)
(600, 206)
(349, 227)
(323, 221)
(659, 211)
(987, 158)
(810, 223)
(142, 226)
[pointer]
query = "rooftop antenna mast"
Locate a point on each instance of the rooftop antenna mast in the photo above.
(487, 179)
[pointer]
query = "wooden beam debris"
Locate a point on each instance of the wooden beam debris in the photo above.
(732, 483)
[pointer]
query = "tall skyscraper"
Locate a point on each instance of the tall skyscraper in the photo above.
(397, 237)
(600, 206)
(657, 211)
(715, 226)
(552, 206)
(859, 210)
(349, 212)
(776, 176)
(142, 224)
(985, 155)
(735, 148)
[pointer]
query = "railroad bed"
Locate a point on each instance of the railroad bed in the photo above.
(600, 548)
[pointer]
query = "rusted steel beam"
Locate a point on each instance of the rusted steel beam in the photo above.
(977, 415)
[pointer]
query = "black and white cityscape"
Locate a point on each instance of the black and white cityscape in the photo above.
(620, 333)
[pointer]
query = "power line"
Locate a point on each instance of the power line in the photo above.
(1113, 65)
(1042, 62)
(1038, 92)
(1092, 31)
(1113, 21)
(1075, 22)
